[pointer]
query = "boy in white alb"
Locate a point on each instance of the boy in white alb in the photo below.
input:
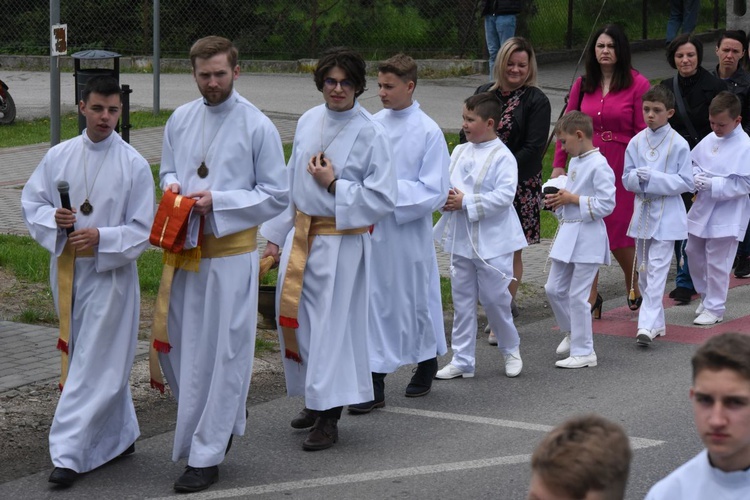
(481, 231)
(406, 323)
(718, 218)
(658, 170)
(721, 407)
(581, 244)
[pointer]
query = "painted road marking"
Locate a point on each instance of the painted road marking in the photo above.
(389, 474)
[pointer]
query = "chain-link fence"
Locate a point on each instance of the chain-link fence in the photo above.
(284, 29)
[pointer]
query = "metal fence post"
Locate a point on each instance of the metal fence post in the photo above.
(54, 80)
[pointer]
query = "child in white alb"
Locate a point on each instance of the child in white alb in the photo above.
(581, 244)
(481, 230)
(718, 218)
(658, 170)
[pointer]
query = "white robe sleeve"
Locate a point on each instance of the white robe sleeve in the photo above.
(39, 204)
(726, 188)
(167, 171)
(276, 229)
(421, 197)
(603, 202)
(363, 202)
(672, 184)
(505, 182)
(630, 180)
(238, 209)
(120, 245)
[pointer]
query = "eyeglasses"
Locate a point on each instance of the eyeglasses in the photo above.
(332, 83)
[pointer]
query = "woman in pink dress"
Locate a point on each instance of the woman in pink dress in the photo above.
(610, 93)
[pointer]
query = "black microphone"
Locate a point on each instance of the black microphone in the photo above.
(64, 187)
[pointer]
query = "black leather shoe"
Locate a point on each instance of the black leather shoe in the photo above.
(196, 479)
(378, 389)
(366, 407)
(421, 382)
(323, 435)
(129, 451)
(305, 419)
(683, 295)
(64, 477)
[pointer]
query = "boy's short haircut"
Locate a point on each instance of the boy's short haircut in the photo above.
(574, 121)
(486, 105)
(725, 101)
(728, 351)
(105, 85)
(349, 61)
(402, 66)
(209, 46)
(660, 93)
(584, 454)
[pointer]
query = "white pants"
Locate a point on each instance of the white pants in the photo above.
(568, 288)
(653, 279)
(710, 264)
(474, 280)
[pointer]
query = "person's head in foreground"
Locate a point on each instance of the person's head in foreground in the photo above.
(586, 457)
(721, 400)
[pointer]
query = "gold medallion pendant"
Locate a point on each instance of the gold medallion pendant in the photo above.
(203, 170)
(86, 207)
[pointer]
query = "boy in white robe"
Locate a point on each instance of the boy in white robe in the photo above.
(481, 231)
(341, 181)
(406, 324)
(658, 170)
(221, 150)
(95, 243)
(720, 213)
(720, 398)
(581, 244)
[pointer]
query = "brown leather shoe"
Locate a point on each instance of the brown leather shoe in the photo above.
(305, 419)
(324, 433)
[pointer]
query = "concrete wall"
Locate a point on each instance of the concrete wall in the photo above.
(738, 15)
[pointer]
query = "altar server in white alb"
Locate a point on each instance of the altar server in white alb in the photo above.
(720, 213)
(222, 151)
(658, 170)
(94, 279)
(406, 324)
(481, 231)
(341, 181)
(720, 397)
(581, 244)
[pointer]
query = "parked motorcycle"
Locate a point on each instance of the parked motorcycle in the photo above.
(7, 106)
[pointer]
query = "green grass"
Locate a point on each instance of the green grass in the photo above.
(548, 28)
(23, 133)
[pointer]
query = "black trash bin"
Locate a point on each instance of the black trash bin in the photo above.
(83, 75)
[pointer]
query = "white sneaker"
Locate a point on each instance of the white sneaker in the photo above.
(577, 361)
(564, 347)
(707, 318)
(492, 338)
(700, 308)
(513, 363)
(449, 371)
(645, 336)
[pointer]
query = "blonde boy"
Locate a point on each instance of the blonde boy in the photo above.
(581, 245)
(719, 216)
(481, 230)
(658, 170)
